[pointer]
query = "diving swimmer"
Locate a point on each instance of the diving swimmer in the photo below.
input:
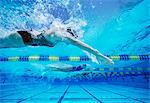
(49, 38)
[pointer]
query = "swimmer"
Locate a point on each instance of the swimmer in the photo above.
(49, 38)
(66, 68)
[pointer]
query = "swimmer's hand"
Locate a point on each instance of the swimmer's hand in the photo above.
(105, 60)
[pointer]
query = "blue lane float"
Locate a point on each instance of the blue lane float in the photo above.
(69, 58)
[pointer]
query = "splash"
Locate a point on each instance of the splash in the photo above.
(39, 15)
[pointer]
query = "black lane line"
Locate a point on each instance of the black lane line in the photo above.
(31, 96)
(35, 95)
(91, 95)
(121, 95)
(61, 98)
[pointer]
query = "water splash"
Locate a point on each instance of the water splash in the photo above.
(39, 15)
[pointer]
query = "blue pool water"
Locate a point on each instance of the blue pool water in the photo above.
(119, 29)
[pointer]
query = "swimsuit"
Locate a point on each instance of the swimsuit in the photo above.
(39, 41)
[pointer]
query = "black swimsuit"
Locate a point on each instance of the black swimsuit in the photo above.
(39, 41)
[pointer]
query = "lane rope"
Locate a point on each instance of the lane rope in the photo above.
(70, 58)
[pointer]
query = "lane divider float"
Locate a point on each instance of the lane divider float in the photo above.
(69, 58)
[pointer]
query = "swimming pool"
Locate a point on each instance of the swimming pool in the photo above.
(119, 29)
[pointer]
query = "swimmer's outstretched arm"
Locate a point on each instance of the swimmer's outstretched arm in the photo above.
(88, 48)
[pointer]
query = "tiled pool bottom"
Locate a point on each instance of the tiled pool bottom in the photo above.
(64, 93)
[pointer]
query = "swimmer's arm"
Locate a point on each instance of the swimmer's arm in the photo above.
(88, 48)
